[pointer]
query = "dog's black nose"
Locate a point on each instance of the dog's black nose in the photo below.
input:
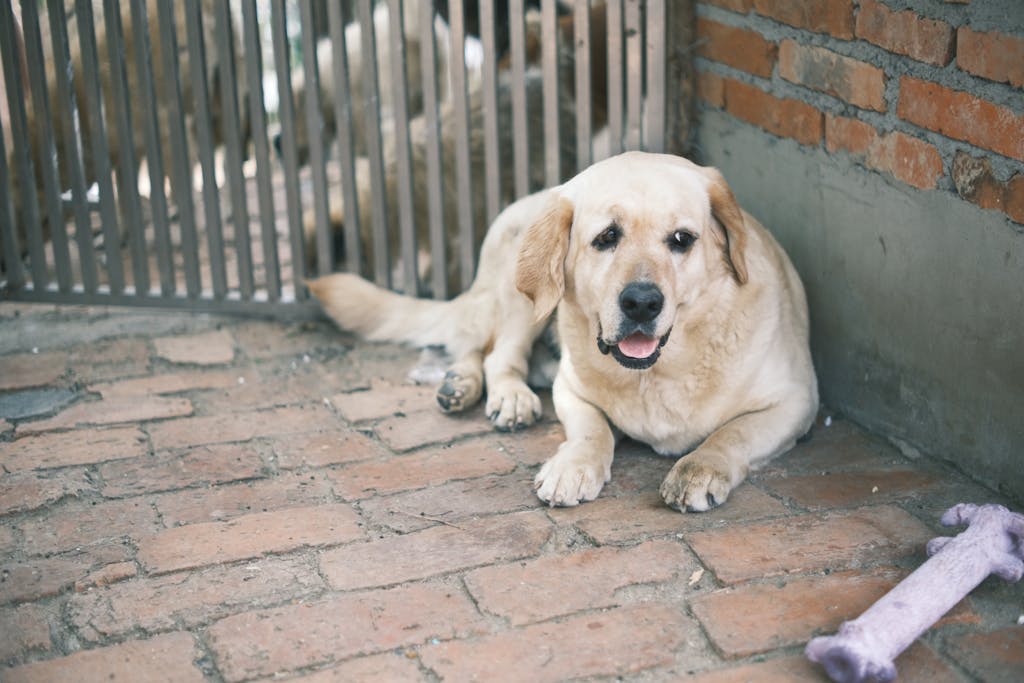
(641, 301)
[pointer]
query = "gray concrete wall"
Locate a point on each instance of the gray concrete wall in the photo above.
(916, 298)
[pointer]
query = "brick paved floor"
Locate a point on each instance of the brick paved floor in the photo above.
(201, 498)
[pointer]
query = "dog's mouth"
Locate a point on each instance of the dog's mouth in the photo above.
(638, 351)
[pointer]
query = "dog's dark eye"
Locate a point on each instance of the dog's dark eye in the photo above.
(681, 241)
(608, 238)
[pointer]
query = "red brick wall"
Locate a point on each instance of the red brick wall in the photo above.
(921, 95)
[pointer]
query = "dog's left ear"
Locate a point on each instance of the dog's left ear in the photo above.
(727, 213)
(540, 270)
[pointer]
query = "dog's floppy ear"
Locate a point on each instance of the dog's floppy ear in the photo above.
(540, 271)
(729, 216)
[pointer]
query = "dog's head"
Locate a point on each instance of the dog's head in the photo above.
(632, 242)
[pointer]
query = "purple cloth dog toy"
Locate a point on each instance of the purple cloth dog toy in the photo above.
(864, 648)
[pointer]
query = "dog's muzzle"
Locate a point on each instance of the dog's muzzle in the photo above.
(636, 347)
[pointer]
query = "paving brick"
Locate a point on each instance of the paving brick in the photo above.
(786, 117)
(634, 517)
(452, 502)
(81, 447)
(436, 466)
(269, 386)
(834, 17)
(5, 426)
(111, 411)
(384, 400)
(249, 536)
(44, 577)
(740, 48)
(77, 523)
(327, 448)
(106, 575)
(306, 634)
(261, 339)
(962, 116)
(846, 489)
(612, 643)
(167, 658)
(535, 445)
(168, 383)
(207, 348)
(992, 55)
(849, 79)
(436, 550)
(26, 628)
(109, 359)
(906, 33)
(393, 667)
(24, 491)
(551, 586)
(406, 432)
(31, 403)
(27, 370)
(168, 471)
(797, 609)
(185, 600)
(994, 657)
(810, 542)
(286, 490)
(225, 428)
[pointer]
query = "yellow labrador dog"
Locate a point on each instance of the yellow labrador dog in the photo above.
(681, 323)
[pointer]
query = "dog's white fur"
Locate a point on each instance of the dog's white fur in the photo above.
(733, 384)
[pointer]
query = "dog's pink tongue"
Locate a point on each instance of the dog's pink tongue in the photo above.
(638, 345)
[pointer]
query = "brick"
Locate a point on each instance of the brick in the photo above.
(992, 55)
(849, 135)
(434, 551)
(27, 370)
(834, 17)
(711, 88)
(808, 543)
(997, 656)
(321, 449)
(384, 400)
(406, 432)
(906, 158)
(106, 575)
(208, 348)
(78, 523)
(26, 628)
(976, 182)
(797, 609)
(393, 667)
(630, 518)
(168, 657)
(784, 117)
(739, 48)
(24, 491)
(81, 447)
(249, 536)
(742, 6)
(207, 465)
(906, 33)
(269, 387)
(535, 445)
(116, 410)
(846, 489)
(167, 383)
(38, 578)
(962, 116)
(190, 599)
(285, 490)
(535, 590)
(33, 403)
(109, 359)
(849, 79)
(430, 468)
(612, 643)
(225, 428)
(272, 641)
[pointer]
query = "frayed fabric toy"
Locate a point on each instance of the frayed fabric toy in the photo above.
(864, 649)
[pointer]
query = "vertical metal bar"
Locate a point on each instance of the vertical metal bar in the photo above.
(314, 128)
(654, 130)
(11, 272)
(634, 73)
(181, 177)
(520, 130)
(614, 76)
(371, 117)
(584, 117)
(400, 111)
(231, 130)
(205, 145)
(549, 67)
(258, 123)
(464, 197)
(343, 127)
(146, 99)
(492, 153)
(127, 170)
(47, 156)
(66, 102)
(100, 146)
(29, 218)
(432, 142)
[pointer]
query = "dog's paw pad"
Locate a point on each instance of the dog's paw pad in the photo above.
(457, 393)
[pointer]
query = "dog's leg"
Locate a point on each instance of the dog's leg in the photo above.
(583, 464)
(463, 383)
(511, 404)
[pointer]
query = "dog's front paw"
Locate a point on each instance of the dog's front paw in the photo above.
(697, 483)
(512, 405)
(568, 479)
(458, 392)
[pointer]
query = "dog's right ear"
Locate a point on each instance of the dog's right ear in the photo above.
(540, 271)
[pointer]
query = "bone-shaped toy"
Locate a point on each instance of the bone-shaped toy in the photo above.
(864, 649)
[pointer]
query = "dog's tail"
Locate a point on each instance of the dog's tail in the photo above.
(378, 314)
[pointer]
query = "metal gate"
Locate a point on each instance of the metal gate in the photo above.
(213, 155)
